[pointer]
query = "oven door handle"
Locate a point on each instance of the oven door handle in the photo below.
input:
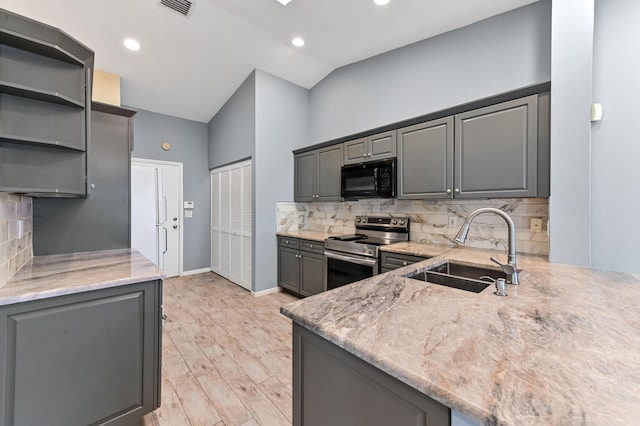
(352, 259)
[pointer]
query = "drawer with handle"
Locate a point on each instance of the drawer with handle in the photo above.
(289, 242)
(312, 246)
(395, 260)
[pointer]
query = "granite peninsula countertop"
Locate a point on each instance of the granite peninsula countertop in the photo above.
(50, 276)
(563, 348)
(306, 235)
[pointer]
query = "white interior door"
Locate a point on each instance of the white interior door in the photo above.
(231, 222)
(157, 235)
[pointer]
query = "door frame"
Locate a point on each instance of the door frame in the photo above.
(147, 161)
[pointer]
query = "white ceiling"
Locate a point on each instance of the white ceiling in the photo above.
(188, 67)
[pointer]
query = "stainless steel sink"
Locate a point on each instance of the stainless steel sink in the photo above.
(459, 276)
(466, 271)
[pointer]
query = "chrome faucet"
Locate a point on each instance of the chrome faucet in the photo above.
(510, 268)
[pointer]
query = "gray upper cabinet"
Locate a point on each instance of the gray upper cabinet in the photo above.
(496, 150)
(45, 95)
(375, 147)
(305, 176)
(425, 158)
(317, 174)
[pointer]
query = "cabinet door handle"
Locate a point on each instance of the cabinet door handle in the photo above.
(310, 245)
(457, 190)
(448, 190)
(404, 263)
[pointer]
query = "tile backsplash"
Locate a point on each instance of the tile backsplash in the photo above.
(16, 226)
(431, 221)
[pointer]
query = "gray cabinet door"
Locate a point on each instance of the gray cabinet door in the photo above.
(496, 150)
(425, 160)
(355, 151)
(311, 273)
(333, 387)
(382, 145)
(289, 269)
(328, 178)
(305, 176)
(375, 147)
(89, 358)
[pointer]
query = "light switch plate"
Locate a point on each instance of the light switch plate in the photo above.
(453, 222)
(188, 204)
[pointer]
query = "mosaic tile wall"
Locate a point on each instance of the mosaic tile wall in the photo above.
(431, 221)
(16, 215)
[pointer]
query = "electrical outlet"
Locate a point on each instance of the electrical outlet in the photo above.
(536, 224)
(453, 222)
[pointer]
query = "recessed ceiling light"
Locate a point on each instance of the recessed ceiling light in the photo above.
(381, 2)
(131, 44)
(297, 42)
(283, 2)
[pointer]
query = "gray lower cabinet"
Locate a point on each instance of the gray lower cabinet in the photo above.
(45, 92)
(317, 174)
(498, 151)
(375, 147)
(333, 387)
(390, 261)
(301, 266)
(87, 358)
(100, 221)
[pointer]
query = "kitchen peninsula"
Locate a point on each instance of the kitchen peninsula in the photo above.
(80, 339)
(561, 348)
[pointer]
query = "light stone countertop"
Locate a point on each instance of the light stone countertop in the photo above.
(563, 348)
(307, 235)
(50, 276)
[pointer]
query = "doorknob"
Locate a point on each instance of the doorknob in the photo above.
(175, 226)
(175, 219)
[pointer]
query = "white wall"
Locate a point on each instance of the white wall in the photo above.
(615, 173)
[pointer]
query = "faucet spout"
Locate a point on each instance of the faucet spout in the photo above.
(510, 268)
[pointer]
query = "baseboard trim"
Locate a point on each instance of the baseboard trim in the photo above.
(265, 292)
(195, 271)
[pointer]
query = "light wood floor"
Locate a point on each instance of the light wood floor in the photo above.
(226, 355)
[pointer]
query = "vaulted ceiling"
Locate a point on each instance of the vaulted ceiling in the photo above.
(188, 66)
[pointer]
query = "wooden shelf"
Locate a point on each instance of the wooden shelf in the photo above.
(38, 94)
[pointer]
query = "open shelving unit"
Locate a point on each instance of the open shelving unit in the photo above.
(45, 107)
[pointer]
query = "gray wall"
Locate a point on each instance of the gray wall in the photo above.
(189, 147)
(571, 62)
(615, 177)
(266, 118)
(282, 125)
(232, 131)
(497, 55)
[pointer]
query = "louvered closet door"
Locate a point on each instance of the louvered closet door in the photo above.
(231, 222)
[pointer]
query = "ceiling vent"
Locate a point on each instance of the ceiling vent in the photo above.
(181, 6)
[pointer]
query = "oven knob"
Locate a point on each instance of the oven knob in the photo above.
(402, 222)
(359, 220)
(394, 221)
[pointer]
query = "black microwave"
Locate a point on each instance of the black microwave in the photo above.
(375, 179)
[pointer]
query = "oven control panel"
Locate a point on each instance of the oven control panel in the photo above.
(382, 222)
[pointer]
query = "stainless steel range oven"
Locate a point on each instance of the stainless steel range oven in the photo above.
(350, 258)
